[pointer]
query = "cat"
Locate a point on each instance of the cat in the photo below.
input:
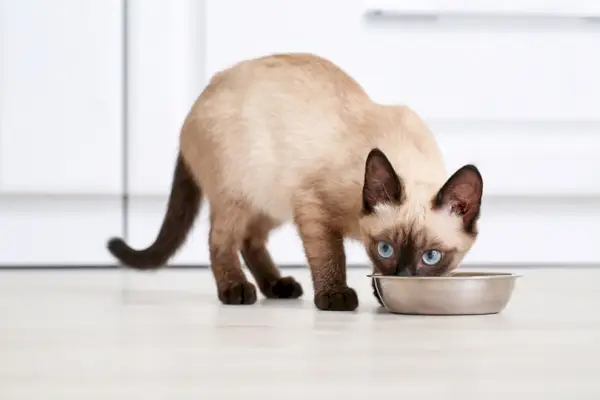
(292, 137)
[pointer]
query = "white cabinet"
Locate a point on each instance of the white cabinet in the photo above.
(60, 97)
(514, 90)
(61, 169)
(58, 231)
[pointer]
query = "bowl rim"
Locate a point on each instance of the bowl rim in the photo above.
(457, 276)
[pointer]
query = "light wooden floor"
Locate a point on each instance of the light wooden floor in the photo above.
(74, 335)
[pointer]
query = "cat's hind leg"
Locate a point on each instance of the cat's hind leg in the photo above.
(258, 260)
(228, 223)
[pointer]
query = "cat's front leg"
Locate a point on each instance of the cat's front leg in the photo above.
(324, 249)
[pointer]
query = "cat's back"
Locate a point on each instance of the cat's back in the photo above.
(263, 122)
(274, 75)
(280, 89)
(279, 104)
(264, 125)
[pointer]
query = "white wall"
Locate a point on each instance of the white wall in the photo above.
(514, 90)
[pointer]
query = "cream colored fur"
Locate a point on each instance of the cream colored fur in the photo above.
(283, 128)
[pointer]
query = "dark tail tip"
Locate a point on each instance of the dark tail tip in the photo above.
(130, 257)
(117, 247)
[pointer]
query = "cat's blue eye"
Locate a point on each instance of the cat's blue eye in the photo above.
(432, 257)
(385, 250)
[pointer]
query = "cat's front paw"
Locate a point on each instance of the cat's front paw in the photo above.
(337, 299)
(236, 293)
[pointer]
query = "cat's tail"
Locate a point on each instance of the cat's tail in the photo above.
(182, 210)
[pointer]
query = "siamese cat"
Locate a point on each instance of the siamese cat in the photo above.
(292, 137)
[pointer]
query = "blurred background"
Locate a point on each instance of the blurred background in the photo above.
(93, 94)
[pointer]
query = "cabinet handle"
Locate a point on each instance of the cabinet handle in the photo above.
(433, 10)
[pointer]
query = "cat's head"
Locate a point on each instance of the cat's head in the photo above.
(426, 232)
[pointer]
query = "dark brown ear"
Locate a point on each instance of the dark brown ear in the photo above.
(381, 185)
(462, 192)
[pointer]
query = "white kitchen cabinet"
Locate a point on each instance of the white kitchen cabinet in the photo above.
(58, 231)
(61, 96)
(61, 136)
(484, 69)
(512, 88)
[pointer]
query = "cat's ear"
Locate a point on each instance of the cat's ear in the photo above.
(462, 194)
(382, 184)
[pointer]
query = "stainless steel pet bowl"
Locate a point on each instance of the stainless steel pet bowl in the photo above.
(460, 293)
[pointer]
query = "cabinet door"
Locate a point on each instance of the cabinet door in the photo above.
(61, 96)
(61, 150)
(58, 231)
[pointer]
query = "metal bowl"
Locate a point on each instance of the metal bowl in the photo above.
(460, 293)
